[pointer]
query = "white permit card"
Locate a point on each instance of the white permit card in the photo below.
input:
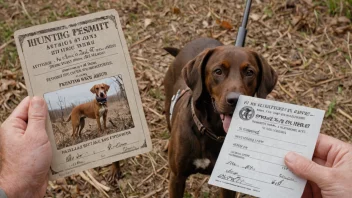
(261, 133)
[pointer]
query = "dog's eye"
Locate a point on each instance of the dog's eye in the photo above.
(218, 72)
(249, 72)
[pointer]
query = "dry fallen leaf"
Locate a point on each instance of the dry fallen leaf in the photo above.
(205, 24)
(224, 24)
(297, 62)
(147, 22)
(6, 83)
(296, 20)
(255, 17)
(343, 19)
(176, 10)
(173, 28)
(333, 21)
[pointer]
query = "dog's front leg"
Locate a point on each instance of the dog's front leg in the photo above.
(176, 185)
(224, 193)
(104, 118)
(98, 122)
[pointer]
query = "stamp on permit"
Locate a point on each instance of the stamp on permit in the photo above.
(82, 68)
(261, 133)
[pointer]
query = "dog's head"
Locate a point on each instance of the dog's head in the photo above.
(100, 90)
(225, 73)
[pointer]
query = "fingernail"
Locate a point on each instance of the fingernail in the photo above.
(291, 157)
(37, 102)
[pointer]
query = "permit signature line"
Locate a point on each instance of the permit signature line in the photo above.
(272, 138)
(259, 152)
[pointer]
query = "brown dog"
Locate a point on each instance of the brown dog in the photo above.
(96, 109)
(215, 75)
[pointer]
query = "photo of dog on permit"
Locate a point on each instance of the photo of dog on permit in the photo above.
(88, 111)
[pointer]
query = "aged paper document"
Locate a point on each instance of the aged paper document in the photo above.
(82, 68)
(261, 133)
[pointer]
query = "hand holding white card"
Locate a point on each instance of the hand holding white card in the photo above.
(261, 133)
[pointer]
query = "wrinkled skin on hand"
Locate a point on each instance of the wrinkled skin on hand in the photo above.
(25, 150)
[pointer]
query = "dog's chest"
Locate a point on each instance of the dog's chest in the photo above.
(102, 110)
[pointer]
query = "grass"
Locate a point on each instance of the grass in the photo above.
(156, 93)
(3, 4)
(332, 105)
(339, 89)
(6, 32)
(339, 7)
(165, 135)
(70, 12)
(206, 195)
(331, 108)
(10, 56)
(187, 195)
(268, 11)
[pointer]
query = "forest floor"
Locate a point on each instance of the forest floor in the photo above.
(307, 42)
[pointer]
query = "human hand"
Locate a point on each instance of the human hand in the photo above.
(25, 151)
(330, 173)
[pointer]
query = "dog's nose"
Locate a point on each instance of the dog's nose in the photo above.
(232, 98)
(101, 95)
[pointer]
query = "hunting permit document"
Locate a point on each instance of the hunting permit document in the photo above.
(82, 68)
(261, 133)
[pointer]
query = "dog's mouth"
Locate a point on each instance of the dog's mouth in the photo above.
(102, 95)
(226, 121)
(225, 116)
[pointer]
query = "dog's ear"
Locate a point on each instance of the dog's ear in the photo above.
(92, 89)
(194, 75)
(267, 77)
(107, 87)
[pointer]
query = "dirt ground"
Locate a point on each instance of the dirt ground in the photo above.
(308, 42)
(119, 118)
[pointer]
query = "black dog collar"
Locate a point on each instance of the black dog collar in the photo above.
(202, 129)
(101, 100)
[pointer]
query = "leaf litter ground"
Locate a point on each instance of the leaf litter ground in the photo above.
(309, 49)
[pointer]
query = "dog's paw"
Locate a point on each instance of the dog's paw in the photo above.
(115, 174)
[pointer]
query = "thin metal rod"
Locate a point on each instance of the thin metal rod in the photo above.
(242, 31)
(246, 13)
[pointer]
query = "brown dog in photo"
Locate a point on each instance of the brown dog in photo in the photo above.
(96, 109)
(207, 79)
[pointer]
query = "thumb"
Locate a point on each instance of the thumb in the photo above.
(306, 169)
(36, 119)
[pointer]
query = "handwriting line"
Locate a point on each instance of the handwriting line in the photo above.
(269, 174)
(254, 179)
(239, 184)
(272, 138)
(259, 152)
(263, 181)
(267, 161)
(268, 145)
(80, 157)
(74, 64)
